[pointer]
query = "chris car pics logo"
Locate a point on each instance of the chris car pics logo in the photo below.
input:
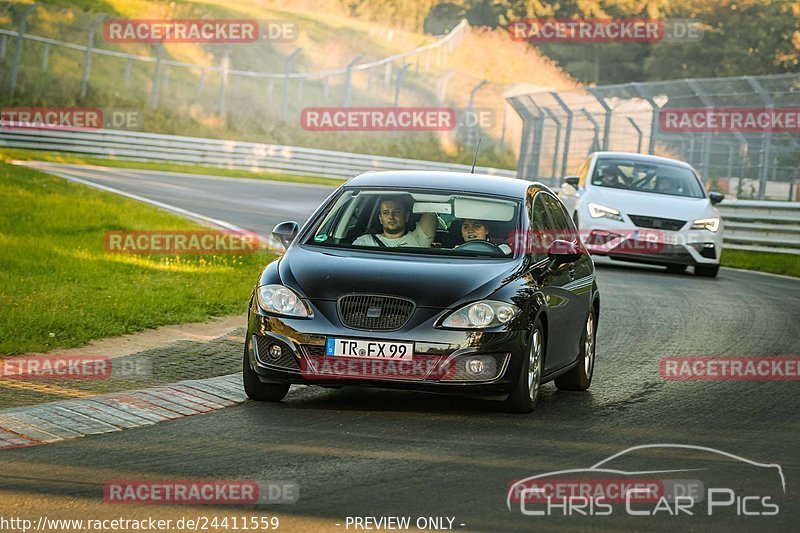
(685, 480)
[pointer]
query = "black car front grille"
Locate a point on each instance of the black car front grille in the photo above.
(374, 312)
(668, 224)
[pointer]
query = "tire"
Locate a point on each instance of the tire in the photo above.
(676, 269)
(706, 271)
(529, 381)
(255, 390)
(580, 377)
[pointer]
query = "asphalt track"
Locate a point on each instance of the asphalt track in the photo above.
(389, 453)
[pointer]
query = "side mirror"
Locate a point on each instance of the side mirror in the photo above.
(563, 252)
(572, 180)
(715, 197)
(285, 232)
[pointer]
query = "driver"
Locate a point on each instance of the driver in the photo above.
(393, 215)
(477, 230)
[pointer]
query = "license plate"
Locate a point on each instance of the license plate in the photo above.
(655, 236)
(395, 351)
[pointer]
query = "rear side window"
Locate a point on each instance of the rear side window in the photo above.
(541, 229)
(562, 225)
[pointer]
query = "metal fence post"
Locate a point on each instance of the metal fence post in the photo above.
(223, 79)
(3, 45)
(156, 76)
(300, 93)
(23, 19)
(607, 122)
(567, 132)
(554, 169)
(286, 72)
(442, 87)
(474, 129)
(639, 133)
(765, 152)
(45, 56)
(87, 60)
(640, 90)
(706, 155)
(399, 83)
(348, 80)
(596, 126)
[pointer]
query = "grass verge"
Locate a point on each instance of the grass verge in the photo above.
(59, 288)
(786, 264)
(11, 154)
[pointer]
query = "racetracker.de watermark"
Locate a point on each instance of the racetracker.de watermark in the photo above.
(635, 30)
(181, 242)
(629, 241)
(70, 118)
(74, 367)
(200, 492)
(378, 119)
(738, 119)
(229, 31)
(711, 368)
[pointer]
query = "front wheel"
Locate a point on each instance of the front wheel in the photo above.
(580, 377)
(529, 381)
(254, 388)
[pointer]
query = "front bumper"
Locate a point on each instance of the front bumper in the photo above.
(627, 242)
(438, 363)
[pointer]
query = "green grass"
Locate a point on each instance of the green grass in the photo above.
(786, 264)
(10, 154)
(59, 288)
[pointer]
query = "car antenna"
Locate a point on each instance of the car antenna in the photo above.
(475, 157)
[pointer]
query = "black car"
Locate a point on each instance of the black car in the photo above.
(432, 281)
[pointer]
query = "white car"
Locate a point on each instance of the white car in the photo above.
(645, 209)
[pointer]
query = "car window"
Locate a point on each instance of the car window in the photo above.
(647, 176)
(422, 222)
(562, 226)
(541, 229)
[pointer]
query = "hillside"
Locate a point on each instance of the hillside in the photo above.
(189, 102)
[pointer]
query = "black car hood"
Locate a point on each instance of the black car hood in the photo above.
(431, 282)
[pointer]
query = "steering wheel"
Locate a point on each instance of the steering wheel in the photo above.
(479, 246)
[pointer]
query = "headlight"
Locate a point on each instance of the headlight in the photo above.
(282, 301)
(599, 211)
(711, 224)
(479, 315)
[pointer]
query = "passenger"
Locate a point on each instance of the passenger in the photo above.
(393, 215)
(477, 230)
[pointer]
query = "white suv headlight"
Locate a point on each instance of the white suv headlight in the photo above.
(711, 224)
(281, 301)
(479, 315)
(599, 211)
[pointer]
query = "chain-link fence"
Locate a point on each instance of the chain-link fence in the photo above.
(741, 133)
(38, 55)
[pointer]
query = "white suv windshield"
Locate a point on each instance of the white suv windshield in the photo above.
(457, 225)
(646, 176)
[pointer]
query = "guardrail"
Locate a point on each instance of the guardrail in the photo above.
(139, 146)
(749, 225)
(761, 226)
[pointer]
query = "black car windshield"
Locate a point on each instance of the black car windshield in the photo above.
(441, 224)
(646, 176)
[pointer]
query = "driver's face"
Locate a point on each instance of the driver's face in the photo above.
(393, 217)
(474, 230)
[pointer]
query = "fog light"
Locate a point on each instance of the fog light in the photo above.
(275, 352)
(476, 367)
